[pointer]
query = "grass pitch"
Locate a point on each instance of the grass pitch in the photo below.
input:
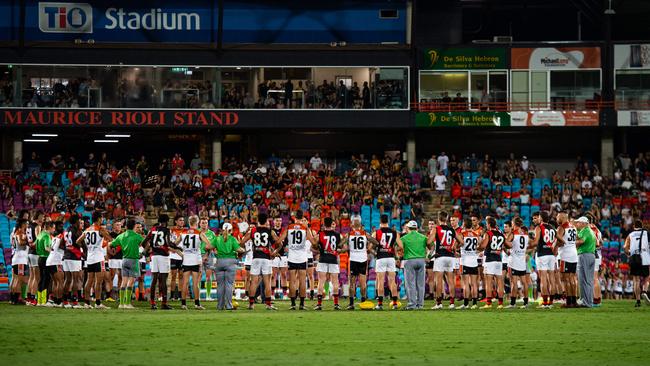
(614, 334)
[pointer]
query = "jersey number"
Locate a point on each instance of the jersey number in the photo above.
(386, 240)
(549, 237)
(471, 244)
(358, 242)
(522, 242)
(158, 239)
(330, 243)
(296, 236)
(261, 239)
(91, 238)
(186, 241)
(496, 243)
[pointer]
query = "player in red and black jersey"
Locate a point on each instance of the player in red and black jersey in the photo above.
(544, 242)
(329, 246)
(159, 239)
(385, 266)
(263, 238)
(72, 262)
(444, 237)
(492, 245)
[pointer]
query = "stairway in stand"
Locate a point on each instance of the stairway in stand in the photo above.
(432, 204)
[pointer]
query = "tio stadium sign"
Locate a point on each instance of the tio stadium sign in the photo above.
(78, 18)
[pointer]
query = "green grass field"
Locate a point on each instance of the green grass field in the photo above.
(613, 334)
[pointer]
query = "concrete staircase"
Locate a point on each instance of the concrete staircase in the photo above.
(432, 205)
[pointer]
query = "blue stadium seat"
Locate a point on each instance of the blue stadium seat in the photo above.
(487, 184)
(516, 184)
(475, 176)
(467, 179)
(534, 209)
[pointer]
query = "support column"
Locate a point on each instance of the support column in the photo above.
(410, 152)
(607, 154)
(216, 153)
(18, 154)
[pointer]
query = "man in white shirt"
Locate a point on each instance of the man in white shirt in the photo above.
(432, 168)
(443, 162)
(524, 163)
(440, 182)
(315, 162)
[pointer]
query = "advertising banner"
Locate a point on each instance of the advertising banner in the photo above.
(631, 56)
(464, 58)
(462, 119)
(564, 58)
(189, 21)
(555, 118)
(633, 118)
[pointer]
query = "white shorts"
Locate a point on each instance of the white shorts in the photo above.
(385, 265)
(493, 268)
(261, 266)
(160, 264)
(456, 264)
(115, 264)
(443, 264)
(330, 267)
(71, 265)
(597, 264)
(280, 262)
(33, 260)
(546, 263)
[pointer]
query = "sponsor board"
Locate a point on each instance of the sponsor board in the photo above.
(554, 118)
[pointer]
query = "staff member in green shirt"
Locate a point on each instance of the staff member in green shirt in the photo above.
(586, 245)
(130, 241)
(43, 245)
(228, 249)
(414, 247)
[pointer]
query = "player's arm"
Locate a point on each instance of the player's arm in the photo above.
(532, 244)
(484, 242)
(372, 241)
(81, 239)
(279, 241)
(107, 237)
(626, 247)
(399, 242)
(310, 235)
(559, 238)
(147, 240)
(432, 237)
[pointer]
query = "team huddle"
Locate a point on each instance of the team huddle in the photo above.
(73, 267)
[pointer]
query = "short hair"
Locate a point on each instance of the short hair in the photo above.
(491, 221)
(383, 219)
(130, 224)
(48, 224)
(638, 223)
(328, 221)
(20, 222)
(544, 215)
(178, 217)
(262, 218)
(163, 219)
(467, 223)
(536, 213)
(443, 216)
(73, 220)
(474, 214)
(97, 216)
(298, 215)
(38, 214)
(22, 213)
(193, 220)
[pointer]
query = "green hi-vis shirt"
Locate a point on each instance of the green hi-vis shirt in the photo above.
(130, 242)
(589, 238)
(211, 238)
(225, 248)
(43, 241)
(415, 245)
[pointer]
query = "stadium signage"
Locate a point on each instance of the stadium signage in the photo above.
(562, 58)
(462, 119)
(464, 58)
(632, 56)
(105, 118)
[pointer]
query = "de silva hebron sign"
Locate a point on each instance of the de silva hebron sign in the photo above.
(116, 118)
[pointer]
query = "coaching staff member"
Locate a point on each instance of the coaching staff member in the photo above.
(414, 247)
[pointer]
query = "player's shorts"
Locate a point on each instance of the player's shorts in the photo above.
(469, 270)
(639, 270)
(160, 264)
(504, 267)
(57, 268)
(194, 268)
(115, 263)
(597, 264)
(130, 267)
(456, 264)
(429, 264)
(546, 263)
(280, 262)
(383, 265)
(71, 265)
(358, 268)
(568, 267)
(20, 269)
(310, 263)
(297, 266)
(492, 268)
(176, 264)
(96, 267)
(514, 272)
(261, 266)
(327, 267)
(247, 268)
(443, 264)
(479, 260)
(33, 260)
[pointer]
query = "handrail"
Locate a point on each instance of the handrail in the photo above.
(439, 106)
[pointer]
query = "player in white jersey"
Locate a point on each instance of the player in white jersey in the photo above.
(297, 235)
(636, 247)
(54, 265)
(248, 257)
(598, 259)
(517, 242)
(566, 247)
(176, 259)
(19, 260)
(468, 240)
(358, 247)
(96, 238)
(190, 241)
(280, 265)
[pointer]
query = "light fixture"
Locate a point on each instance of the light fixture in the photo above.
(238, 68)
(112, 135)
(609, 10)
(36, 140)
(107, 141)
(45, 135)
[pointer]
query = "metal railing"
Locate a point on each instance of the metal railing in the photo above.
(439, 106)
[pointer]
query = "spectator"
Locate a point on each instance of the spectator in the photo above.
(365, 95)
(315, 162)
(443, 162)
(196, 162)
(440, 182)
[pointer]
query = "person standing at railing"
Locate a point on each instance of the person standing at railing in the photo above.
(365, 94)
(288, 93)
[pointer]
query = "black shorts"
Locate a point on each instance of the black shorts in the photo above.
(504, 266)
(54, 269)
(247, 268)
(310, 263)
(176, 264)
(143, 268)
(429, 265)
(95, 267)
(20, 269)
(196, 268)
(297, 266)
(514, 272)
(568, 267)
(469, 270)
(358, 268)
(639, 270)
